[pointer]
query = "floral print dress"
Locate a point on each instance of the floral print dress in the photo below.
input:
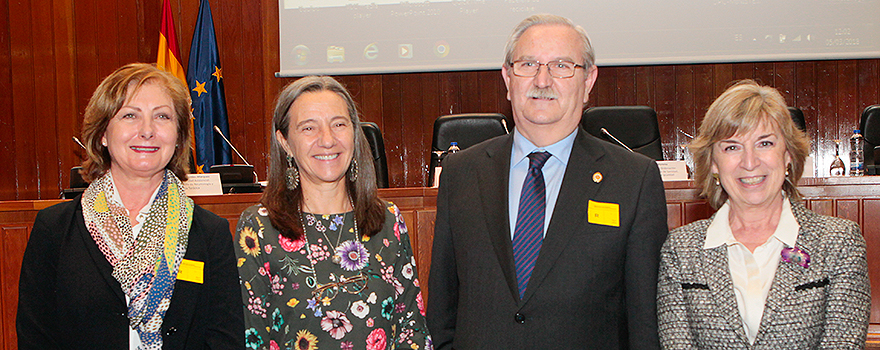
(296, 297)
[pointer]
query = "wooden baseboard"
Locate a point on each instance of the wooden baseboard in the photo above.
(873, 341)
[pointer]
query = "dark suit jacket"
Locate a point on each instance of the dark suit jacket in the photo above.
(823, 306)
(68, 298)
(593, 286)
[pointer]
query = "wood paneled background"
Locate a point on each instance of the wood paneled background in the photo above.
(53, 53)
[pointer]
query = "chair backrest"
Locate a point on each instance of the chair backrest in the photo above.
(797, 116)
(635, 126)
(377, 146)
(466, 129)
(870, 127)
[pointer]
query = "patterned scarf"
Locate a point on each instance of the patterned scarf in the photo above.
(147, 267)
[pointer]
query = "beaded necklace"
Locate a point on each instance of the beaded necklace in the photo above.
(336, 258)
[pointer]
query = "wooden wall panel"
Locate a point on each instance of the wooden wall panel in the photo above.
(423, 244)
(704, 94)
(871, 231)
(694, 211)
(827, 128)
(8, 188)
(52, 59)
(65, 93)
(822, 206)
(868, 83)
(24, 104)
(411, 88)
(673, 215)
(664, 100)
(847, 209)
(14, 242)
(44, 72)
(683, 116)
(431, 101)
(409, 218)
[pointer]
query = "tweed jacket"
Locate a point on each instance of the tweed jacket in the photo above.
(823, 306)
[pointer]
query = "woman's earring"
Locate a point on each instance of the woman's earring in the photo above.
(353, 170)
(717, 180)
(292, 174)
(786, 170)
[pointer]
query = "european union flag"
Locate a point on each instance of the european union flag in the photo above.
(205, 78)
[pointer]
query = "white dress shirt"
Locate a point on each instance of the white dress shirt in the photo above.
(752, 273)
(554, 171)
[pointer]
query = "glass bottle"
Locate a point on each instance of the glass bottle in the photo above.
(837, 167)
(856, 154)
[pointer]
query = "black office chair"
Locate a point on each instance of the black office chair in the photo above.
(635, 126)
(797, 116)
(77, 184)
(377, 146)
(465, 129)
(870, 127)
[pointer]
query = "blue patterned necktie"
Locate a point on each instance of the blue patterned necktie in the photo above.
(529, 231)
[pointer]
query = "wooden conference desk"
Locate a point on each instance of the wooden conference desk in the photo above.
(857, 199)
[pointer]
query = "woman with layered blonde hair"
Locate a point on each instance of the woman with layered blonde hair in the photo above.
(764, 272)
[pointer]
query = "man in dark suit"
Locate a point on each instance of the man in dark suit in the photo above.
(547, 238)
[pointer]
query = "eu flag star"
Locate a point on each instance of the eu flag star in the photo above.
(200, 88)
(218, 72)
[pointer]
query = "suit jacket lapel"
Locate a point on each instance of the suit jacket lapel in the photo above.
(493, 184)
(720, 283)
(98, 258)
(789, 275)
(570, 211)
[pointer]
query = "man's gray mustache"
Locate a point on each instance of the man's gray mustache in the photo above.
(542, 94)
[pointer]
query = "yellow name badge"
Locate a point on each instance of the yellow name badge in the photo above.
(191, 271)
(607, 214)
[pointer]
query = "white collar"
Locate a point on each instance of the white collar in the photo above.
(719, 231)
(118, 200)
(522, 147)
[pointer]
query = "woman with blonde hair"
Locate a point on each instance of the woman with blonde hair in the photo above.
(763, 272)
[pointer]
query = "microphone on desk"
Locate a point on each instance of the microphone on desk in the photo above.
(236, 178)
(217, 129)
(615, 139)
(685, 134)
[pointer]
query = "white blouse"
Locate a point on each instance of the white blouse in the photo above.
(752, 273)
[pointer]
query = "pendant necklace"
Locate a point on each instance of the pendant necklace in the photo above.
(337, 257)
(312, 281)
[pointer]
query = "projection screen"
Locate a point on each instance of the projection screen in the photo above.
(383, 36)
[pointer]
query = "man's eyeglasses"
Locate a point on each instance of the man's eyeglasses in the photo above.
(351, 285)
(557, 69)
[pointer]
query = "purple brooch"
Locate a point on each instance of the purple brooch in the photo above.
(797, 256)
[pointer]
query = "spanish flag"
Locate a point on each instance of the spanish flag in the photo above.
(169, 57)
